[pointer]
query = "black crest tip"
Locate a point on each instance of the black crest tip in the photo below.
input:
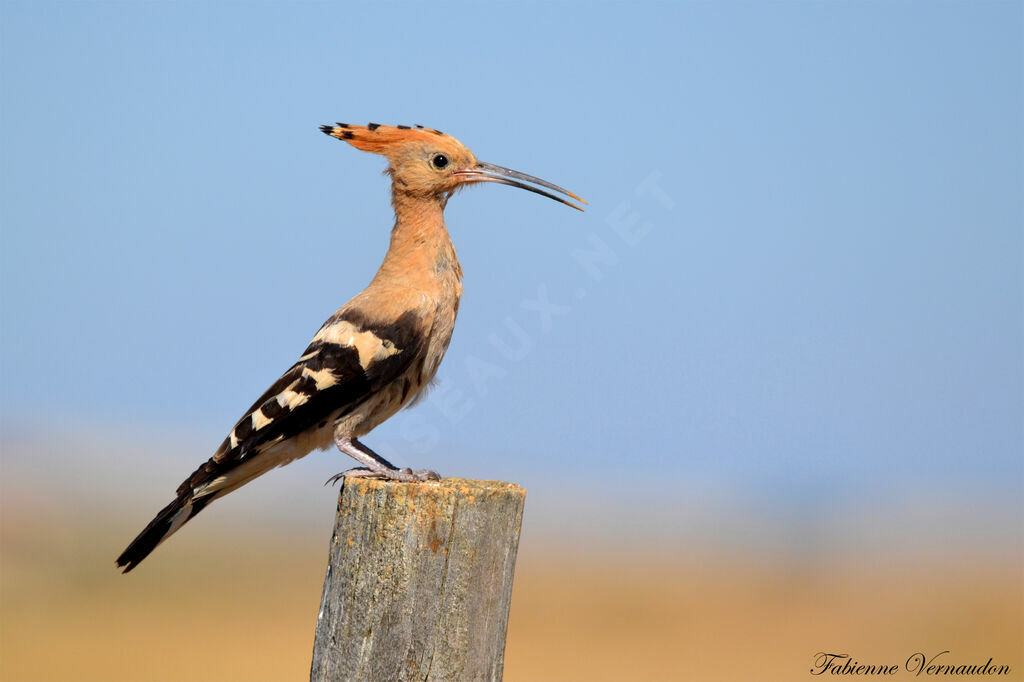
(333, 132)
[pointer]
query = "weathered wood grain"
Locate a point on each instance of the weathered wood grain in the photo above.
(419, 581)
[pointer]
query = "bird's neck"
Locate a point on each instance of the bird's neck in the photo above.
(421, 253)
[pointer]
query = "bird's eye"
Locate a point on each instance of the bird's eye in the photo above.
(439, 161)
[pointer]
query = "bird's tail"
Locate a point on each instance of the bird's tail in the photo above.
(212, 480)
(170, 519)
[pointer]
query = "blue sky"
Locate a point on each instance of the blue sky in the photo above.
(806, 220)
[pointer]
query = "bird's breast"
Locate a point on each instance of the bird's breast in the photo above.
(431, 310)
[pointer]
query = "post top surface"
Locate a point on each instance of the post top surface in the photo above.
(446, 486)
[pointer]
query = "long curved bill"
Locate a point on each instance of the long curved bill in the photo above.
(488, 172)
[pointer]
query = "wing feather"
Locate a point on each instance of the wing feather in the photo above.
(350, 358)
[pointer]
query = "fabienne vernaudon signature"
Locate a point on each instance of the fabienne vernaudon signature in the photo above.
(918, 664)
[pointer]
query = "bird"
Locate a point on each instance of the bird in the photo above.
(377, 353)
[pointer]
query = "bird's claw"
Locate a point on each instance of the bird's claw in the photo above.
(426, 475)
(410, 476)
(339, 477)
(405, 475)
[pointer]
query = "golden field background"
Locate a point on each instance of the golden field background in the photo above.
(235, 596)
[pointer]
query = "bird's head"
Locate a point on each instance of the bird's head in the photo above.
(424, 162)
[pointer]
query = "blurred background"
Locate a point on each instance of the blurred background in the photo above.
(766, 394)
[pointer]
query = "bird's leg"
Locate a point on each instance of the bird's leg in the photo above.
(375, 466)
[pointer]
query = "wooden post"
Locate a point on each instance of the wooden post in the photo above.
(419, 581)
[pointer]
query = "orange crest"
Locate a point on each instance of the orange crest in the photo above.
(381, 139)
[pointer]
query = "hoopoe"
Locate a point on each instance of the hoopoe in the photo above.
(375, 354)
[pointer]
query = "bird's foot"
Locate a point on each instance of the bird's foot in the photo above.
(405, 475)
(376, 466)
